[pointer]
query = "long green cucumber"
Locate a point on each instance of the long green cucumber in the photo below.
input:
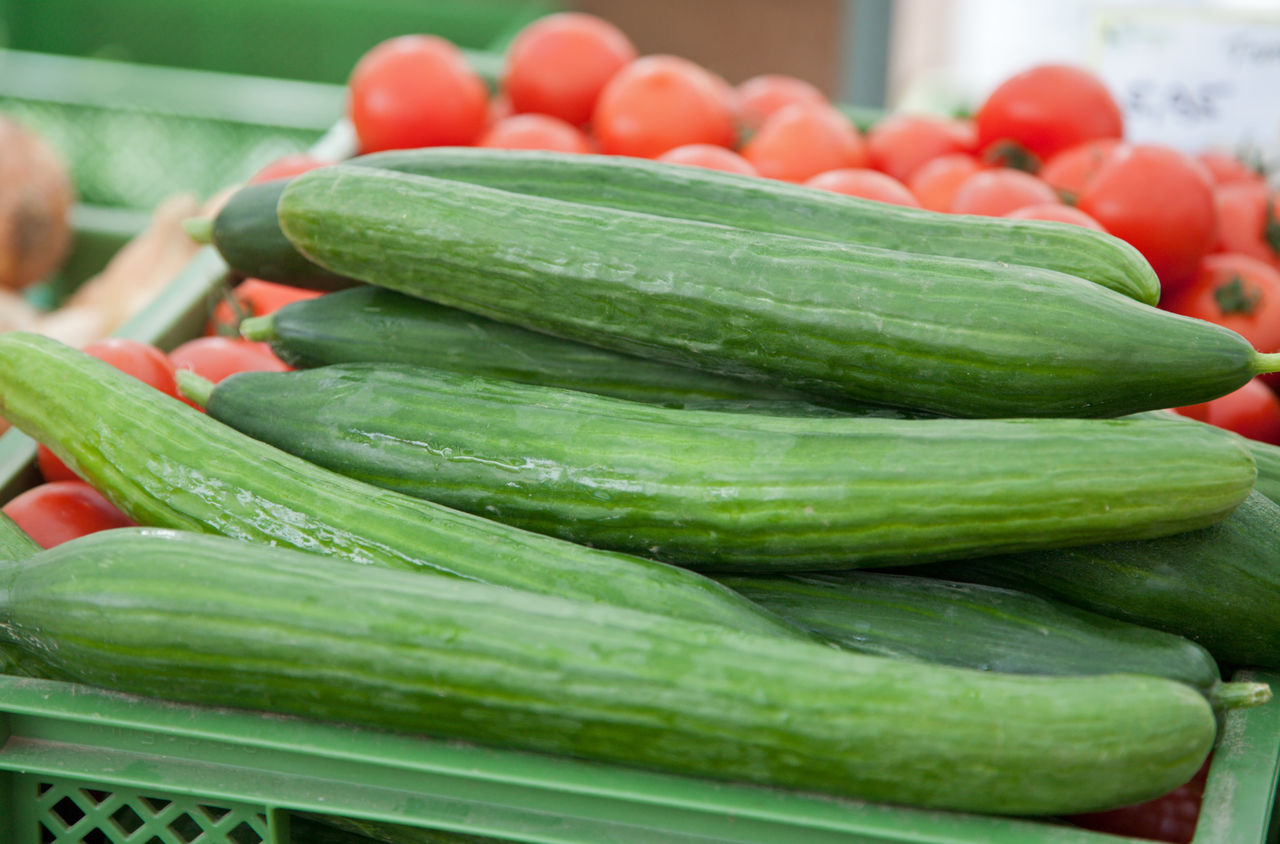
(168, 465)
(715, 491)
(14, 541)
(212, 621)
(1218, 586)
(954, 336)
(988, 628)
(370, 324)
(248, 235)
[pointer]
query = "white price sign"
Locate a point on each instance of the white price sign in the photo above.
(1195, 78)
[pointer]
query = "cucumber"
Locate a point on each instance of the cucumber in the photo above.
(247, 232)
(948, 335)
(1218, 586)
(14, 541)
(369, 324)
(212, 621)
(904, 616)
(1267, 458)
(168, 465)
(714, 491)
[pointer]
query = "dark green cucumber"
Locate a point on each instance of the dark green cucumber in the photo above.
(953, 336)
(253, 242)
(168, 465)
(217, 622)
(988, 628)
(1218, 586)
(715, 491)
(370, 324)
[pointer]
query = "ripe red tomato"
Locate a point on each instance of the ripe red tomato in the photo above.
(286, 168)
(935, 182)
(658, 103)
(559, 64)
(901, 143)
(1226, 169)
(760, 96)
(416, 91)
(216, 358)
(1055, 212)
(709, 156)
(1047, 109)
(998, 191)
(1248, 220)
(55, 512)
(803, 140)
(1171, 818)
(534, 131)
(1252, 411)
(1069, 171)
(865, 183)
(1161, 202)
(1235, 291)
(252, 297)
(141, 360)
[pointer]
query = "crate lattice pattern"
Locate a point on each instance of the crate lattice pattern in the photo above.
(71, 813)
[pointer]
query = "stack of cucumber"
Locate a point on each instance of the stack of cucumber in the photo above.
(598, 462)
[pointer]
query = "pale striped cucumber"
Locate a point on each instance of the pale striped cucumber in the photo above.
(167, 465)
(14, 541)
(212, 621)
(954, 336)
(716, 491)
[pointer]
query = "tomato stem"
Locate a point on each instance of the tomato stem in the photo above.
(1235, 296)
(194, 387)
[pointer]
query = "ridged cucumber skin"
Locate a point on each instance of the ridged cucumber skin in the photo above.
(958, 337)
(715, 491)
(1267, 458)
(214, 622)
(374, 325)
(1218, 586)
(968, 625)
(251, 239)
(168, 465)
(14, 541)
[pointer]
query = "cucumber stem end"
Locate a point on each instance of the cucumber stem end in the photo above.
(194, 387)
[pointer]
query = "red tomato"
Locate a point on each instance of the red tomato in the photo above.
(559, 64)
(998, 191)
(53, 513)
(286, 168)
(760, 96)
(141, 360)
(1248, 220)
(253, 297)
(1171, 818)
(658, 103)
(935, 182)
(416, 91)
(1159, 200)
(216, 358)
(1069, 171)
(534, 131)
(1226, 169)
(900, 143)
(1238, 292)
(1055, 212)
(1252, 411)
(864, 183)
(709, 156)
(803, 140)
(1047, 109)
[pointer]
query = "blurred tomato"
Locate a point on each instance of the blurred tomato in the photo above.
(1047, 109)
(901, 143)
(252, 297)
(286, 168)
(935, 182)
(865, 183)
(1161, 202)
(55, 512)
(1248, 220)
(559, 64)
(141, 360)
(416, 91)
(534, 131)
(803, 140)
(658, 103)
(1252, 411)
(1055, 212)
(709, 156)
(1069, 171)
(998, 191)
(216, 358)
(1226, 169)
(1238, 292)
(760, 96)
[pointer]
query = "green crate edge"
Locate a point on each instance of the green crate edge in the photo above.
(521, 796)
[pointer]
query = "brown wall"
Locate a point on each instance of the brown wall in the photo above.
(737, 38)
